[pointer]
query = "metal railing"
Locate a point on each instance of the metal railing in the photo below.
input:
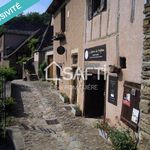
(2, 106)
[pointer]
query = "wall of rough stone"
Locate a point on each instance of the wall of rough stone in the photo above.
(145, 91)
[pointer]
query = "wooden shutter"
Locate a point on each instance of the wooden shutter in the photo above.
(90, 9)
(63, 19)
(129, 104)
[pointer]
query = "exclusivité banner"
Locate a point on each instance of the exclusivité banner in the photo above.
(14, 8)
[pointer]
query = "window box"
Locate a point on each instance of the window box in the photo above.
(59, 36)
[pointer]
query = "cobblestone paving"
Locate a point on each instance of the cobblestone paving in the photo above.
(62, 131)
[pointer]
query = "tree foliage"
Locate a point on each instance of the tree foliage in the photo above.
(32, 44)
(2, 29)
(30, 21)
(7, 73)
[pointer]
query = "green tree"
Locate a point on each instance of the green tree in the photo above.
(32, 45)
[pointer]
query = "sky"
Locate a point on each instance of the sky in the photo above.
(40, 7)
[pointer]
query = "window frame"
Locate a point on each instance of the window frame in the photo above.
(75, 59)
(91, 12)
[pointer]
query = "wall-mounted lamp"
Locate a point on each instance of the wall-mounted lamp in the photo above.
(123, 62)
(114, 69)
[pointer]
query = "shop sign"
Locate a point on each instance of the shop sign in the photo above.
(135, 115)
(97, 53)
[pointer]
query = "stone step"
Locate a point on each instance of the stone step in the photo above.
(16, 137)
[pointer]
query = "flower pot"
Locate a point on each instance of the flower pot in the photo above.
(103, 134)
(61, 97)
(65, 100)
(75, 110)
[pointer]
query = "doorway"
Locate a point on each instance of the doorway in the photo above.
(94, 96)
(50, 70)
(74, 88)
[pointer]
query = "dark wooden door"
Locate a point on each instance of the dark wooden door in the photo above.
(50, 70)
(94, 96)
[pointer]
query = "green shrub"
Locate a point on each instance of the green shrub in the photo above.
(41, 70)
(121, 140)
(103, 125)
(32, 44)
(22, 60)
(65, 97)
(9, 119)
(8, 103)
(7, 73)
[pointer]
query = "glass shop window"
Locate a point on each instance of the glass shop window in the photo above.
(130, 105)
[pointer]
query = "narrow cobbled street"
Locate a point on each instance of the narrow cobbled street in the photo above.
(46, 123)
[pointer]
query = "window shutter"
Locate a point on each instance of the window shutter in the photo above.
(63, 19)
(103, 5)
(90, 9)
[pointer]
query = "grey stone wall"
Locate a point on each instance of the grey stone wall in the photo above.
(145, 91)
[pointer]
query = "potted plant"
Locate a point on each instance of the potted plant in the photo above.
(76, 110)
(64, 97)
(103, 129)
(122, 140)
(59, 36)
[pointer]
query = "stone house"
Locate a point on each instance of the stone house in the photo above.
(9, 41)
(101, 34)
(114, 41)
(145, 90)
(44, 53)
(68, 44)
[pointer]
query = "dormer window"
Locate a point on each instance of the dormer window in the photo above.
(95, 7)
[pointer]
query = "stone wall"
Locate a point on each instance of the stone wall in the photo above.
(145, 92)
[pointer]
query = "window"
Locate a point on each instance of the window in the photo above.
(146, 1)
(132, 11)
(74, 59)
(95, 7)
(113, 90)
(63, 19)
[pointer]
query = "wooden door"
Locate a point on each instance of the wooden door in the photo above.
(50, 70)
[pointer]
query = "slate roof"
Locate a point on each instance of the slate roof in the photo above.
(54, 6)
(24, 43)
(46, 40)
